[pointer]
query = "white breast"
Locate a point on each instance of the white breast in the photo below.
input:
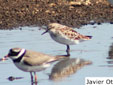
(27, 68)
(63, 39)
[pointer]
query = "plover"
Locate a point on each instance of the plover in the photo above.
(31, 61)
(65, 35)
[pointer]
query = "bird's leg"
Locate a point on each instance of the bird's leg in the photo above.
(68, 50)
(31, 77)
(35, 77)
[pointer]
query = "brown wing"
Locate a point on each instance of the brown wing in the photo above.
(36, 58)
(72, 34)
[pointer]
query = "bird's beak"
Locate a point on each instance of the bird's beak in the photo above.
(45, 32)
(6, 56)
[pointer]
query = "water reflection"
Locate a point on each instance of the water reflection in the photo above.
(12, 78)
(35, 83)
(111, 52)
(110, 61)
(67, 67)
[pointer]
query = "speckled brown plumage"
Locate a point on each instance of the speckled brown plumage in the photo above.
(69, 32)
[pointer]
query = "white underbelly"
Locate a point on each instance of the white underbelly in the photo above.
(31, 68)
(64, 40)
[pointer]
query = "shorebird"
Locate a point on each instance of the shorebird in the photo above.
(31, 61)
(65, 35)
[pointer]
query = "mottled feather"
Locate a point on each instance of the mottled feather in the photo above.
(70, 33)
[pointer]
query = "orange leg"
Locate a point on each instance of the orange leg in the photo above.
(35, 77)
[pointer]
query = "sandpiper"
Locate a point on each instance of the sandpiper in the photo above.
(31, 61)
(65, 35)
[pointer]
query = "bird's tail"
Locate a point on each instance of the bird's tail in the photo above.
(88, 37)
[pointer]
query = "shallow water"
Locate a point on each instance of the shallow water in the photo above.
(95, 50)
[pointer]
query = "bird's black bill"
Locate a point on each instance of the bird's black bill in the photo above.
(44, 32)
(6, 56)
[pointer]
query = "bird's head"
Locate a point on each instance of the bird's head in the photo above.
(51, 27)
(15, 53)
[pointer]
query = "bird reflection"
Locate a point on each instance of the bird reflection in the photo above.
(12, 78)
(110, 52)
(67, 67)
(34, 83)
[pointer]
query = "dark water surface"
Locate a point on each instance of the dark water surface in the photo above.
(95, 50)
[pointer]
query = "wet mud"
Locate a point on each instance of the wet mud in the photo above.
(74, 13)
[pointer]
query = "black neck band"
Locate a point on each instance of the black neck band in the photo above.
(19, 59)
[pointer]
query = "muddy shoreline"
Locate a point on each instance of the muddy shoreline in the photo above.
(16, 13)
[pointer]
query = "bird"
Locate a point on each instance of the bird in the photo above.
(31, 61)
(64, 35)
